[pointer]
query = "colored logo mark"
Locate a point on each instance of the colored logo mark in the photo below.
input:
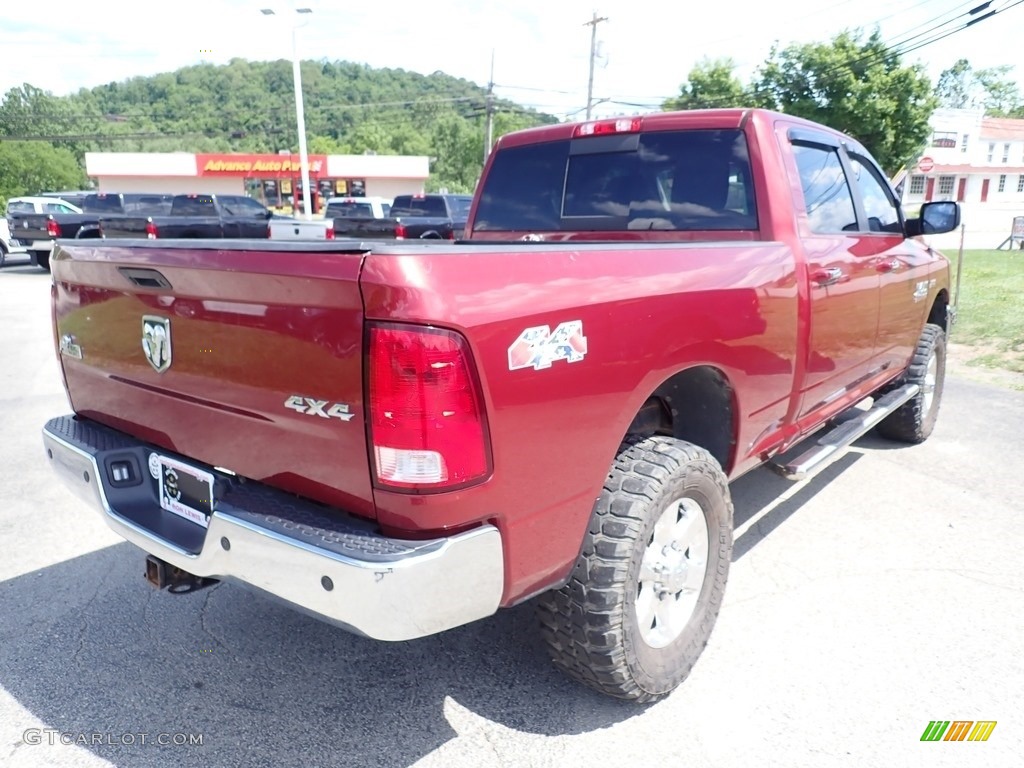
(958, 730)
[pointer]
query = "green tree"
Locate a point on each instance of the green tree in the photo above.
(856, 86)
(31, 167)
(993, 89)
(711, 83)
(1002, 96)
(955, 86)
(457, 155)
(249, 106)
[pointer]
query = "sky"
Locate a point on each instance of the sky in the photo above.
(540, 48)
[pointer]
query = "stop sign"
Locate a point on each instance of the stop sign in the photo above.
(925, 164)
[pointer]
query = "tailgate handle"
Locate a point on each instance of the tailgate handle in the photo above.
(144, 278)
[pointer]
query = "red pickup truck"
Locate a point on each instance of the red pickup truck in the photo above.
(403, 438)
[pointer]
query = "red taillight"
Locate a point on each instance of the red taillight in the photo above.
(151, 231)
(329, 232)
(450, 235)
(399, 231)
(427, 422)
(603, 127)
(52, 228)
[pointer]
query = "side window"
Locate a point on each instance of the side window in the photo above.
(827, 193)
(883, 216)
(246, 206)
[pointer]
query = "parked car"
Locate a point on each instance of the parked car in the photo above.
(40, 228)
(196, 216)
(40, 204)
(7, 243)
(412, 217)
(75, 196)
(404, 437)
(357, 208)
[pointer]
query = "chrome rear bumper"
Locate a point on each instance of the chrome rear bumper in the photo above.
(321, 561)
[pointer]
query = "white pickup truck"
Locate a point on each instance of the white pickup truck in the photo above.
(337, 208)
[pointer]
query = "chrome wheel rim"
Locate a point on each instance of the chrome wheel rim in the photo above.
(672, 572)
(930, 378)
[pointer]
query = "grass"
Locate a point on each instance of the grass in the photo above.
(991, 307)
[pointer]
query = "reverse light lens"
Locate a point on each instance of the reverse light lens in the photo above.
(426, 412)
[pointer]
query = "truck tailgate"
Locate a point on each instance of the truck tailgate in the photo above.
(27, 227)
(244, 355)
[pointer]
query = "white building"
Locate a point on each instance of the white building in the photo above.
(979, 162)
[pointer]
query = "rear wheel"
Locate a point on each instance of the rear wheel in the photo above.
(42, 258)
(914, 421)
(644, 594)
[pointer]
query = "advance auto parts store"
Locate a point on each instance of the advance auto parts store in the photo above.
(275, 180)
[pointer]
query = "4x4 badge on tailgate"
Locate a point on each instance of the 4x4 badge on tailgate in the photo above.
(322, 408)
(156, 341)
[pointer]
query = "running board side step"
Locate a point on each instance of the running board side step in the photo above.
(831, 445)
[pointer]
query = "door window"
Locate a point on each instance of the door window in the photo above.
(883, 216)
(827, 196)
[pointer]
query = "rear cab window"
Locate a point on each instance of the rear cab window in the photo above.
(349, 209)
(193, 205)
(405, 205)
(680, 180)
(101, 203)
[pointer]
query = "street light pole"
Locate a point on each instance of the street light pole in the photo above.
(300, 114)
(300, 118)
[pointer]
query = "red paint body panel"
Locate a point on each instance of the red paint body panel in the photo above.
(647, 314)
(284, 321)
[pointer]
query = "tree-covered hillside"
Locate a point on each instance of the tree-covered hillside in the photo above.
(249, 106)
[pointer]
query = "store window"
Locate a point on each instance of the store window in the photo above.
(946, 185)
(1020, 183)
(1002, 183)
(917, 185)
(350, 187)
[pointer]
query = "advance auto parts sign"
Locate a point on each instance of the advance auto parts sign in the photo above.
(262, 166)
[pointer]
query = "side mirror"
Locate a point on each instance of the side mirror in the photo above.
(934, 219)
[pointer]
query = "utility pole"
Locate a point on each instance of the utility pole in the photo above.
(489, 131)
(593, 54)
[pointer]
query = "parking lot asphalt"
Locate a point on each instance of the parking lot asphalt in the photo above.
(886, 593)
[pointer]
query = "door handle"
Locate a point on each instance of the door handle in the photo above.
(892, 265)
(829, 276)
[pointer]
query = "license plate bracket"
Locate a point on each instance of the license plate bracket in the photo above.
(183, 490)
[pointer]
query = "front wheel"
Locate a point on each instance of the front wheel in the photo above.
(643, 597)
(914, 421)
